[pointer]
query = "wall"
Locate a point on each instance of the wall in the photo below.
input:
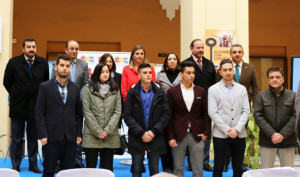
(129, 23)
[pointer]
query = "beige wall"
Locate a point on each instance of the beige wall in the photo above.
(199, 15)
(6, 12)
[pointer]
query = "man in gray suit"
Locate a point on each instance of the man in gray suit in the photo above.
(79, 68)
(80, 75)
(228, 107)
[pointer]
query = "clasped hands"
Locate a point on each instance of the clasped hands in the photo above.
(148, 136)
(103, 135)
(232, 133)
(277, 138)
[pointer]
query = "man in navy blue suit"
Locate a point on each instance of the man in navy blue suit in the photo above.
(59, 118)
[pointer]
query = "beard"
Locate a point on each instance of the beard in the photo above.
(62, 76)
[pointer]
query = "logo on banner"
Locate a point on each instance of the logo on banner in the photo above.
(88, 59)
(121, 60)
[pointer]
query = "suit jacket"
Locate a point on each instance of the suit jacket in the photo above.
(22, 91)
(225, 114)
(55, 119)
(82, 73)
(248, 79)
(180, 116)
(206, 77)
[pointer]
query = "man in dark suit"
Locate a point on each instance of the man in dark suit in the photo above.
(22, 77)
(205, 76)
(189, 123)
(59, 118)
(80, 75)
(244, 74)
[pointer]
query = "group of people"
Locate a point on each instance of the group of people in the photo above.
(168, 114)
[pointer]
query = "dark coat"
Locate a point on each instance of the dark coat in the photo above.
(180, 116)
(206, 77)
(22, 91)
(158, 120)
(273, 115)
(54, 119)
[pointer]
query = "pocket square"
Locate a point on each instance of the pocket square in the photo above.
(198, 98)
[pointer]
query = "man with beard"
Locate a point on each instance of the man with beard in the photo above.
(59, 118)
(228, 107)
(205, 76)
(22, 77)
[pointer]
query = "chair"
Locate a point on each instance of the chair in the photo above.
(85, 172)
(8, 172)
(272, 172)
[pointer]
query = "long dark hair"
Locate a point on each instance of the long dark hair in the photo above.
(165, 65)
(104, 57)
(95, 80)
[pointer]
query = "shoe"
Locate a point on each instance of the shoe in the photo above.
(244, 167)
(190, 167)
(79, 165)
(168, 170)
(35, 169)
(207, 167)
(16, 168)
(225, 169)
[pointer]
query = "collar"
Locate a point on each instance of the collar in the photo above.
(223, 83)
(150, 89)
(58, 83)
(196, 59)
(183, 87)
(74, 61)
(281, 91)
(240, 64)
(26, 58)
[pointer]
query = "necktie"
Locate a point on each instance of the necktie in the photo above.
(73, 71)
(199, 64)
(30, 70)
(237, 73)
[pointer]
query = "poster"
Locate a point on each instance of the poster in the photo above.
(218, 43)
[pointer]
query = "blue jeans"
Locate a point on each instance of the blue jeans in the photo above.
(137, 167)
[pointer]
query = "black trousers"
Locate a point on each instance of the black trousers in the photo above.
(106, 158)
(17, 135)
(51, 153)
(237, 149)
(167, 159)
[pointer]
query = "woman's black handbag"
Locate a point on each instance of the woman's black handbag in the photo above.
(123, 142)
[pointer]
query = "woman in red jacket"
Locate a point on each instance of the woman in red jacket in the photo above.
(130, 72)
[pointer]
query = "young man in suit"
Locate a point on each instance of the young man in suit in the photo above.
(189, 124)
(79, 74)
(228, 107)
(205, 76)
(59, 118)
(22, 77)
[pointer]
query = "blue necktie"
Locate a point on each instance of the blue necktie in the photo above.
(73, 71)
(237, 73)
(30, 70)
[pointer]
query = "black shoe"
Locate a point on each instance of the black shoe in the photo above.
(79, 165)
(16, 168)
(207, 167)
(225, 169)
(35, 169)
(168, 170)
(190, 167)
(244, 167)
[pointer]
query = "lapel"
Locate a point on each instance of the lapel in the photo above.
(181, 97)
(243, 71)
(70, 90)
(77, 69)
(195, 97)
(196, 64)
(55, 88)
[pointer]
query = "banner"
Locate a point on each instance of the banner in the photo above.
(218, 43)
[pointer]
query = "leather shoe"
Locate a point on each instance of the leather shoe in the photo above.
(35, 169)
(244, 168)
(207, 167)
(80, 165)
(225, 168)
(16, 168)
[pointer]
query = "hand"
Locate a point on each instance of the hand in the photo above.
(203, 137)
(44, 141)
(103, 135)
(277, 138)
(173, 143)
(151, 134)
(146, 137)
(78, 140)
(232, 133)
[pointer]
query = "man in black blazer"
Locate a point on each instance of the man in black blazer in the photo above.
(59, 118)
(205, 76)
(22, 77)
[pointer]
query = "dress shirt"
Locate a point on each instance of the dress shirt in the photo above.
(63, 90)
(147, 97)
(188, 96)
(29, 59)
(73, 70)
(230, 90)
(196, 60)
(240, 66)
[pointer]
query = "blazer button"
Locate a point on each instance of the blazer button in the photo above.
(232, 118)
(231, 109)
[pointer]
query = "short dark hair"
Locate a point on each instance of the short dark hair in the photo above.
(193, 41)
(236, 45)
(143, 65)
(104, 57)
(273, 69)
(185, 64)
(62, 57)
(28, 40)
(165, 65)
(95, 78)
(224, 61)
